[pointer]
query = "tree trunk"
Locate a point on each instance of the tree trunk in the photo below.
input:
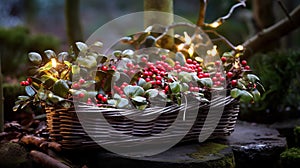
(264, 17)
(1, 101)
(73, 25)
(157, 18)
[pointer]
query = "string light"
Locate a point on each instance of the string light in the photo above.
(239, 48)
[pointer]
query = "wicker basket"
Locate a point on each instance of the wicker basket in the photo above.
(65, 128)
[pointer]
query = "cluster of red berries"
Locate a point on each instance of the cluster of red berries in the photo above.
(77, 85)
(26, 83)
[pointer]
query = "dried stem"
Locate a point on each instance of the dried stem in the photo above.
(221, 38)
(220, 20)
(201, 17)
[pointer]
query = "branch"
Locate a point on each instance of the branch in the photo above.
(201, 17)
(272, 33)
(221, 20)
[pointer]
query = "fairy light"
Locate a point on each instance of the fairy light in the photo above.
(191, 50)
(239, 48)
(213, 51)
(180, 46)
(54, 63)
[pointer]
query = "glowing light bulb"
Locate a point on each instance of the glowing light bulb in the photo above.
(239, 48)
(54, 63)
(191, 50)
(180, 46)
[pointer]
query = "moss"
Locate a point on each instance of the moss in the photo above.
(290, 158)
(214, 156)
(12, 155)
(297, 135)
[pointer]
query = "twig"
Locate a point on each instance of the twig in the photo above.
(221, 38)
(221, 20)
(283, 7)
(201, 17)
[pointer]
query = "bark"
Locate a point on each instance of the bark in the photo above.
(1, 101)
(156, 18)
(201, 17)
(46, 161)
(273, 33)
(73, 25)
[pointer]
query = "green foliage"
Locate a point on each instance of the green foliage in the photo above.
(280, 74)
(290, 158)
(16, 42)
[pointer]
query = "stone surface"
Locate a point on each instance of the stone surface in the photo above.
(286, 129)
(206, 155)
(255, 145)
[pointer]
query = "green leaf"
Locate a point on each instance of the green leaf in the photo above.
(35, 58)
(180, 58)
(147, 86)
(253, 78)
(206, 82)
(16, 107)
(98, 44)
(50, 54)
(81, 46)
(112, 102)
(92, 93)
(29, 91)
(185, 77)
(151, 93)
(246, 96)
(141, 82)
(184, 87)
(235, 92)
(256, 95)
(227, 54)
(54, 98)
(61, 88)
(162, 94)
(88, 61)
(46, 67)
(117, 53)
(139, 99)
(48, 80)
(132, 91)
(117, 96)
(175, 87)
(128, 53)
(42, 95)
(23, 98)
(62, 56)
(75, 69)
(122, 103)
(142, 107)
(68, 63)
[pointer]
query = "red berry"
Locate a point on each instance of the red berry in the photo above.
(104, 68)
(247, 67)
(158, 82)
(29, 80)
(218, 74)
(81, 95)
(244, 62)
(223, 59)
(199, 69)
(189, 61)
(217, 63)
(113, 67)
(81, 81)
(104, 99)
(158, 77)
(162, 73)
(26, 83)
(214, 79)
(146, 73)
(229, 74)
(147, 79)
(166, 88)
(206, 75)
(233, 82)
(222, 78)
(76, 86)
(163, 57)
(144, 59)
(22, 83)
(99, 96)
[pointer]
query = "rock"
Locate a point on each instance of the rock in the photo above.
(290, 158)
(12, 155)
(255, 145)
(206, 155)
(286, 129)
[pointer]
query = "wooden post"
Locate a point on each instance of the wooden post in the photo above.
(1, 101)
(156, 18)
